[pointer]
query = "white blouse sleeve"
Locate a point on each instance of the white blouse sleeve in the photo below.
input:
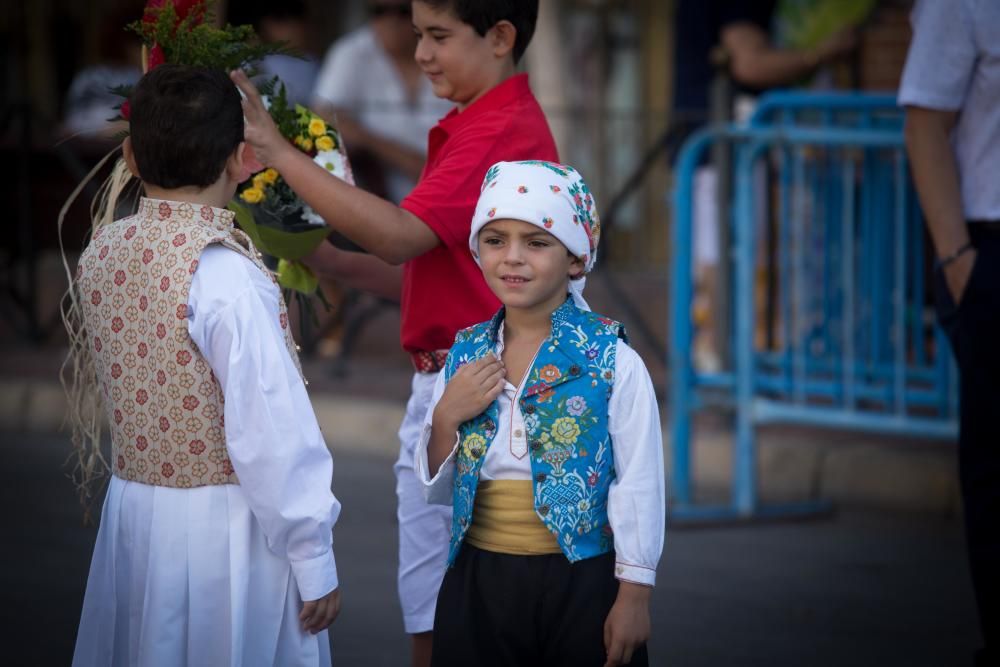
(636, 500)
(274, 442)
(437, 489)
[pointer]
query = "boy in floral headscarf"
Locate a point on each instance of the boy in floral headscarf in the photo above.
(544, 435)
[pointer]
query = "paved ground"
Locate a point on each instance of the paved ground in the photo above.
(859, 589)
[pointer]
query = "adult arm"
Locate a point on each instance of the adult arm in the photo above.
(938, 72)
(935, 175)
(754, 62)
(357, 270)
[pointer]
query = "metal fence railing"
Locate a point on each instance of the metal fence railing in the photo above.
(849, 341)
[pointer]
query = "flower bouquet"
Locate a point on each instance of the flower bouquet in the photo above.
(273, 216)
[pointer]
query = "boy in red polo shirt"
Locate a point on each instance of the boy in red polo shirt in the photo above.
(468, 50)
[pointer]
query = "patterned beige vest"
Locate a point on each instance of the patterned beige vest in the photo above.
(164, 405)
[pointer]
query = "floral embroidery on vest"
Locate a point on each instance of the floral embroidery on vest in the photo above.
(565, 408)
(164, 404)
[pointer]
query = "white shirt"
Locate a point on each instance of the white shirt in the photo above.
(357, 75)
(274, 442)
(636, 499)
(954, 64)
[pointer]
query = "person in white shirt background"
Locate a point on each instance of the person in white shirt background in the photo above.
(951, 88)
(383, 104)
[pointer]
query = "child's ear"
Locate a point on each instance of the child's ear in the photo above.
(242, 163)
(576, 268)
(129, 156)
(503, 35)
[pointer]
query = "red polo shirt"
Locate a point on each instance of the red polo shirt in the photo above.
(444, 289)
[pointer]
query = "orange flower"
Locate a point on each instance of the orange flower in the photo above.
(550, 373)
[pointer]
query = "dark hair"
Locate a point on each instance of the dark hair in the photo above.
(484, 14)
(185, 122)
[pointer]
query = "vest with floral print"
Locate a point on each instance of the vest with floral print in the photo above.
(164, 404)
(565, 408)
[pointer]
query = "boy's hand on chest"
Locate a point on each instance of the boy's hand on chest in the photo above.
(470, 391)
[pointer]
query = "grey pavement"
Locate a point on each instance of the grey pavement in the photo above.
(862, 588)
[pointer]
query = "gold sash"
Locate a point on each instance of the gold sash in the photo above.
(504, 520)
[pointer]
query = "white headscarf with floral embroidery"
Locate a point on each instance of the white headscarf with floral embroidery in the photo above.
(550, 195)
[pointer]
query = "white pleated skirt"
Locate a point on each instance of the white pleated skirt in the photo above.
(185, 577)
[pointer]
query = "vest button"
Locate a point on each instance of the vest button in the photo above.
(489, 425)
(476, 452)
(574, 370)
(535, 445)
(540, 477)
(529, 409)
(543, 510)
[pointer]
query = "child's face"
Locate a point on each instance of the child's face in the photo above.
(460, 64)
(525, 266)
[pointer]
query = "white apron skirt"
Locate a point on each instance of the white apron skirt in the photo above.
(185, 577)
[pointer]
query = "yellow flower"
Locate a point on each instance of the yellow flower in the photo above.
(474, 446)
(565, 430)
(317, 127)
(324, 143)
(269, 175)
(307, 144)
(252, 195)
(259, 183)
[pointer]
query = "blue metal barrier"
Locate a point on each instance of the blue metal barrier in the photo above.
(853, 345)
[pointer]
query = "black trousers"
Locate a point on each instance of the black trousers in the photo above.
(973, 327)
(521, 611)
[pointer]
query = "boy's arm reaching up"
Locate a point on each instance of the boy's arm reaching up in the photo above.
(380, 227)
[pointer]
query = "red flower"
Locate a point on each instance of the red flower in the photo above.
(95, 297)
(207, 214)
(164, 284)
(179, 240)
(190, 402)
(118, 416)
(227, 466)
(119, 277)
(97, 344)
(125, 110)
(182, 311)
(104, 252)
(164, 424)
(117, 325)
(156, 58)
(130, 232)
(196, 447)
(143, 302)
(141, 443)
(143, 350)
(592, 480)
(181, 7)
(183, 357)
(161, 378)
(141, 397)
(193, 267)
(147, 256)
(116, 370)
(121, 462)
(283, 320)
(167, 470)
(161, 331)
(164, 210)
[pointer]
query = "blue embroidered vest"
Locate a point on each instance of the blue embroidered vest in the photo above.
(565, 408)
